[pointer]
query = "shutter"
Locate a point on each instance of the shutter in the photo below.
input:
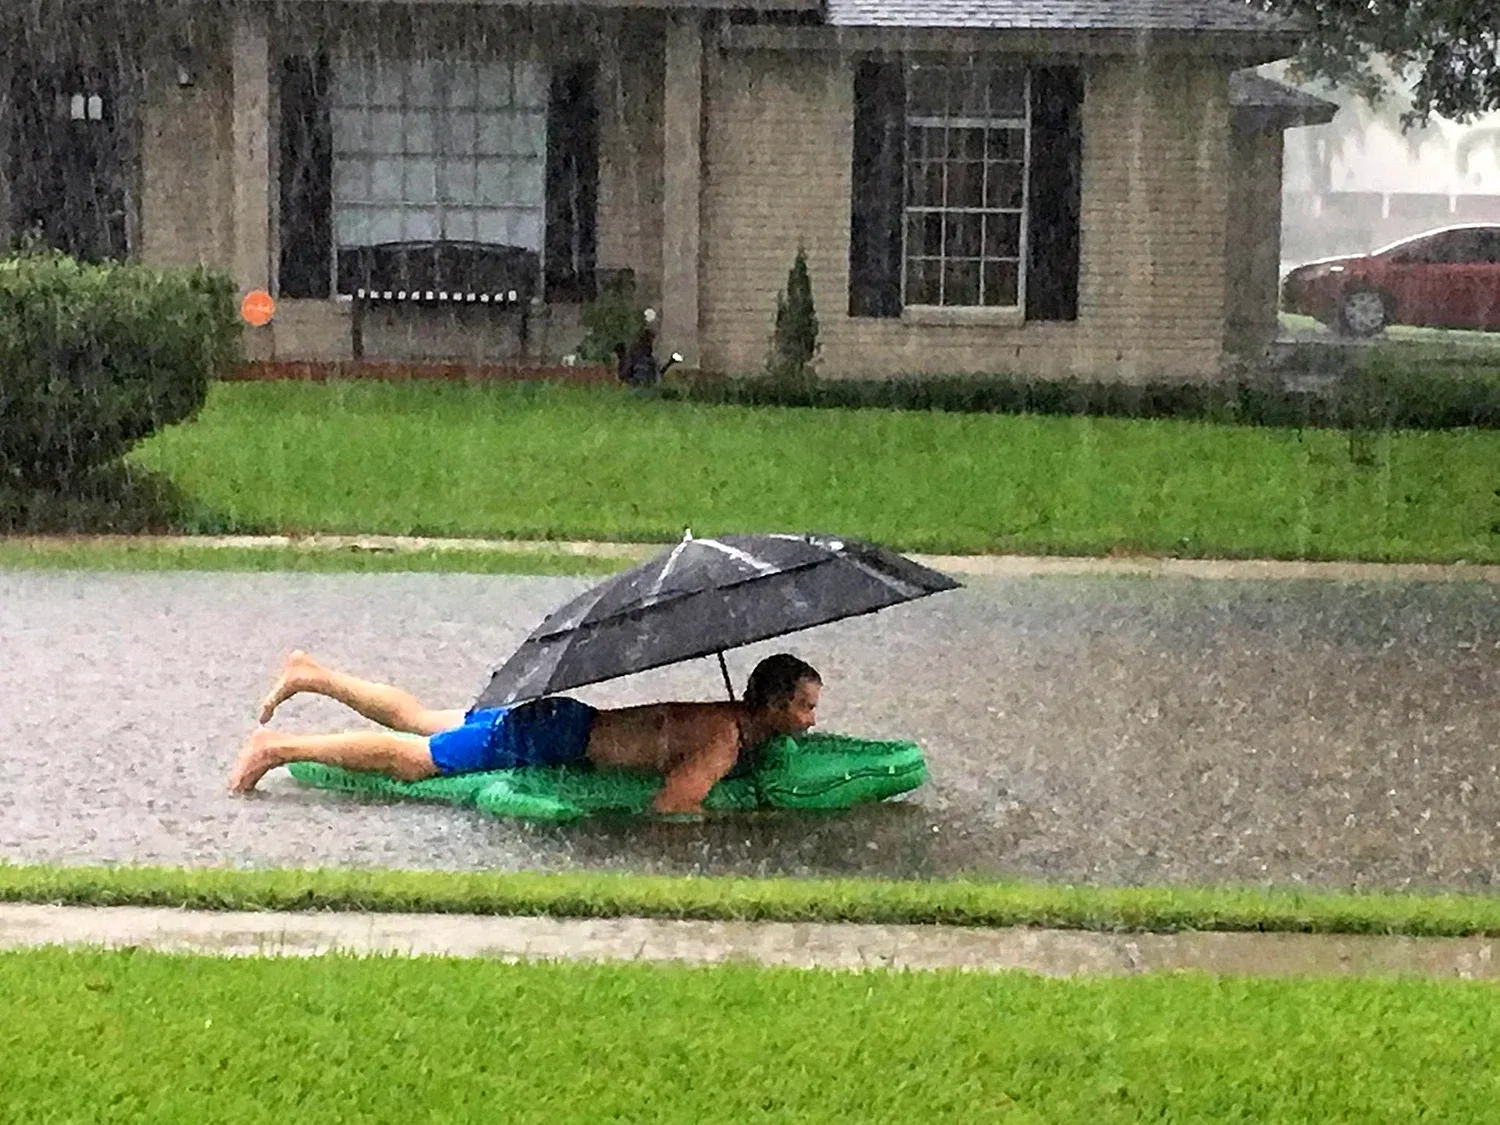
(572, 190)
(1055, 193)
(306, 220)
(877, 190)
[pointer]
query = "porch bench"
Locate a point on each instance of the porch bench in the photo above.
(439, 273)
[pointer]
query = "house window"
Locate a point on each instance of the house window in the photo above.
(430, 150)
(968, 144)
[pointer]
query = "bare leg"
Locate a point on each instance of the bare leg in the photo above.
(402, 756)
(389, 706)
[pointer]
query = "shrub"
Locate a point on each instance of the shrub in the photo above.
(1365, 398)
(612, 321)
(1389, 390)
(794, 342)
(93, 358)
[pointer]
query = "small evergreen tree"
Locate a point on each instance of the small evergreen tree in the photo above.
(611, 323)
(794, 344)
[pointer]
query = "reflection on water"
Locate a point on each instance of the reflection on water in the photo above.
(1085, 729)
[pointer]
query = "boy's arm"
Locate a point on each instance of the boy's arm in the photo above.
(689, 782)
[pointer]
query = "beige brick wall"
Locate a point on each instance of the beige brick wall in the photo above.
(777, 162)
(308, 328)
(631, 162)
(776, 171)
(320, 330)
(1253, 242)
(187, 188)
(1154, 215)
(682, 189)
(188, 197)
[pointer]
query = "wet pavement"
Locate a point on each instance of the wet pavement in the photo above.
(844, 946)
(1094, 729)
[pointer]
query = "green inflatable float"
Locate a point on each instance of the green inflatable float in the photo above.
(811, 771)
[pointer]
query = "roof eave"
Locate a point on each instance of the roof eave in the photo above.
(670, 5)
(1278, 119)
(1246, 48)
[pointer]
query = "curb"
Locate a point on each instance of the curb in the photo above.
(999, 566)
(836, 946)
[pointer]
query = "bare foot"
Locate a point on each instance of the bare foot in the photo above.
(297, 674)
(258, 756)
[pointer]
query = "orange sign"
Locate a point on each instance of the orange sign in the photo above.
(258, 307)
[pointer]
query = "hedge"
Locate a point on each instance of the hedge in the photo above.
(1381, 393)
(95, 357)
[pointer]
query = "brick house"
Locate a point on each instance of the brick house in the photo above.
(1067, 186)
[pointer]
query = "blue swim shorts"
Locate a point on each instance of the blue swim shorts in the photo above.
(541, 732)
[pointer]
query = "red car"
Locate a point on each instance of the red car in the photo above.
(1447, 278)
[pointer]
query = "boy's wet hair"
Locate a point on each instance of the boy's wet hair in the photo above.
(775, 681)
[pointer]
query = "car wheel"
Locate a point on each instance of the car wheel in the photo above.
(1363, 312)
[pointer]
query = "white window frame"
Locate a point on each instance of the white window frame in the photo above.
(914, 121)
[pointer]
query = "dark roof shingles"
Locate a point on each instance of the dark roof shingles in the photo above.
(1057, 15)
(1248, 88)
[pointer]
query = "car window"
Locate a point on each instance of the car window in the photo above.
(1453, 247)
(1466, 247)
(1489, 247)
(1433, 248)
(1448, 247)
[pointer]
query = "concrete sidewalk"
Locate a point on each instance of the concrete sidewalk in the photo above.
(799, 945)
(1007, 566)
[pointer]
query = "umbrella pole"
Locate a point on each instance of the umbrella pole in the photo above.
(728, 684)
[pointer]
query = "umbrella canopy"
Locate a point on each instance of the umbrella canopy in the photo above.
(704, 596)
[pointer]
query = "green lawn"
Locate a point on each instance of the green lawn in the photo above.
(607, 895)
(91, 1036)
(558, 462)
(22, 554)
(1399, 338)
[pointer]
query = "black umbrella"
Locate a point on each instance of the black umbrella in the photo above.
(704, 596)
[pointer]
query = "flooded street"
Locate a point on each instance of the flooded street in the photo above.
(1082, 729)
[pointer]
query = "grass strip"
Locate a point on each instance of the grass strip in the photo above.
(549, 462)
(608, 895)
(1405, 341)
(24, 555)
(96, 1036)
